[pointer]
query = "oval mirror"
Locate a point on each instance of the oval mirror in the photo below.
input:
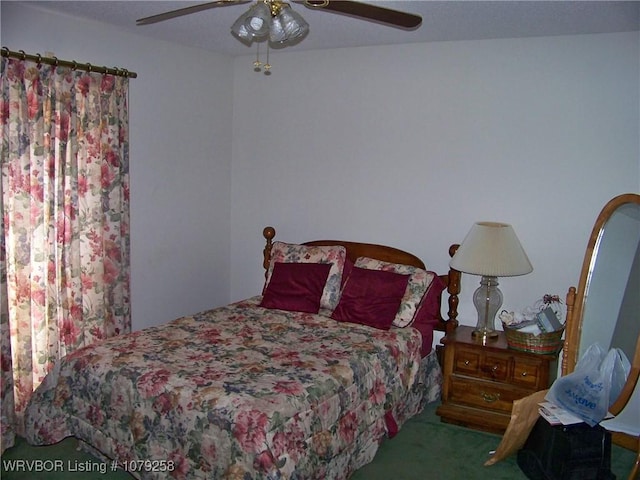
(605, 307)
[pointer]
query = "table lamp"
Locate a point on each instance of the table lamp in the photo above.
(490, 249)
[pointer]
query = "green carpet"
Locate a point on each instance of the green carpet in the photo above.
(424, 448)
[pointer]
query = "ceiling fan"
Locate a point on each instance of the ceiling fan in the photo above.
(365, 11)
(277, 23)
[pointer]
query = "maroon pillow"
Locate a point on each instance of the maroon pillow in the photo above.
(296, 287)
(429, 310)
(427, 315)
(346, 271)
(371, 297)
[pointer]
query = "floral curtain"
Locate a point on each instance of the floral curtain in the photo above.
(64, 279)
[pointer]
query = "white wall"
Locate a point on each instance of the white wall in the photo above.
(180, 138)
(405, 145)
(409, 145)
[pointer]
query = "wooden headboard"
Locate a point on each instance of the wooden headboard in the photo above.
(392, 255)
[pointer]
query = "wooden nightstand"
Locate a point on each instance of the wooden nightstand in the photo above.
(481, 381)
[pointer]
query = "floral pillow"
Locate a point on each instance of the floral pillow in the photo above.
(334, 254)
(419, 281)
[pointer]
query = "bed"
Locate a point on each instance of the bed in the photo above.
(300, 382)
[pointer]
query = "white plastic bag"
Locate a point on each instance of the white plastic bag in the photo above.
(621, 369)
(593, 386)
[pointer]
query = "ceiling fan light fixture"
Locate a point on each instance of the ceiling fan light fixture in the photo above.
(287, 25)
(257, 20)
(270, 19)
(277, 33)
(239, 30)
(294, 25)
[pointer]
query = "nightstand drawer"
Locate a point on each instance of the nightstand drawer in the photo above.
(495, 367)
(476, 363)
(467, 362)
(484, 394)
(528, 374)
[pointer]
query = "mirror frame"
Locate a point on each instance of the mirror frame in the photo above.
(576, 303)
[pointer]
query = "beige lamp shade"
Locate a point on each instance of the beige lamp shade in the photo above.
(491, 249)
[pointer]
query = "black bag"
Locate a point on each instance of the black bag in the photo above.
(571, 452)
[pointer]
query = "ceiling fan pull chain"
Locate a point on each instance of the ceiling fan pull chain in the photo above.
(267, 66)
(257, 65)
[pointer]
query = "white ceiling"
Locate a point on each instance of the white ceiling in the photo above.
(441, 21)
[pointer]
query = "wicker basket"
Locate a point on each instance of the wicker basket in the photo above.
(546, 343)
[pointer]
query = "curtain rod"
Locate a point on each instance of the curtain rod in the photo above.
(87, 67)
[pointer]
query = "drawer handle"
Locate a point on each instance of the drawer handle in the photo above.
(524, 374)
(466, 362)
(495, 368)
(490, 397)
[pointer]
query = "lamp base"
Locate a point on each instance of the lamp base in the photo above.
(484, 334)
(487, 299)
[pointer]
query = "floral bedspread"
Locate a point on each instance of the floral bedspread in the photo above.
(236, 392)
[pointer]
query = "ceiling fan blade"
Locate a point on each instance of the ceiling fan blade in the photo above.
(187, 11)
(367, 11)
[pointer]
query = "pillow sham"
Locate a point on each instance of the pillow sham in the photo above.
(334, 255)
(296, 287)
(371, 297)
(419, 281)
